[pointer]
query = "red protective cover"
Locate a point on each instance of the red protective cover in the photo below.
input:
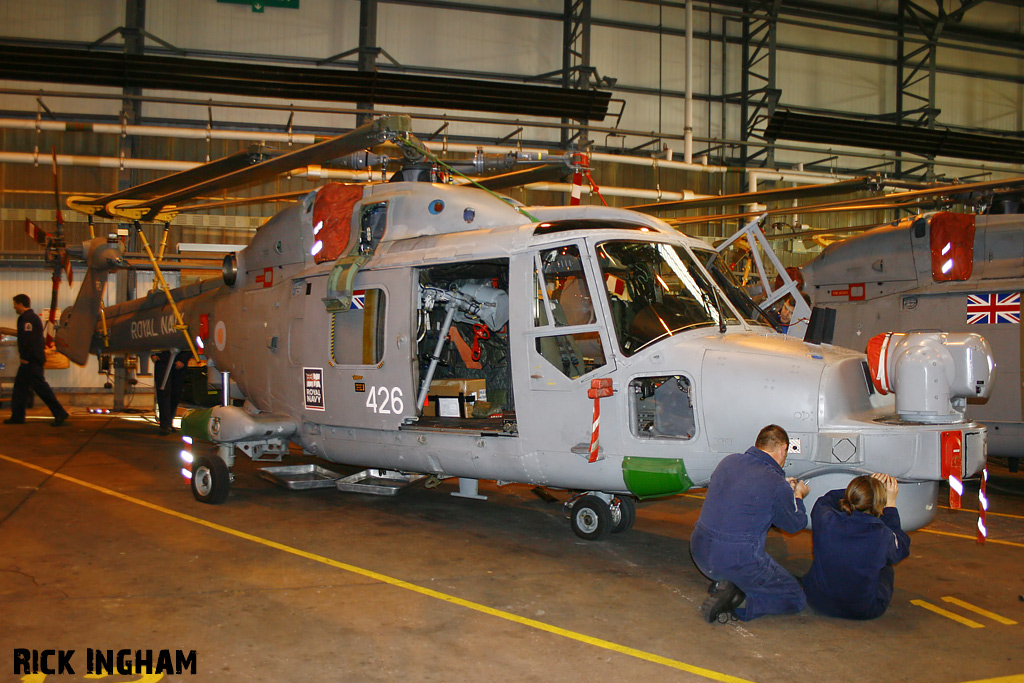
(333, 205)
(876, 359)
(957, 231)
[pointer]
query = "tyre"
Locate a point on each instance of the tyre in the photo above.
(591, 519)
(211, 480)
(626, 514)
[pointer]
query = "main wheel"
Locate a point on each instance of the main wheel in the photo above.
(211, 480)
(626, 514)
(591, 518)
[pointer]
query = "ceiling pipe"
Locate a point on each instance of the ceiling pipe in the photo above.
(754, 177)
(662, 163)
(101, 162)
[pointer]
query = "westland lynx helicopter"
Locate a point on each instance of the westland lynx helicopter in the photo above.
(939, 270)
(429, 329)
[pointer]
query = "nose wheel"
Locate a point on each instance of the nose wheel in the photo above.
(211, 480)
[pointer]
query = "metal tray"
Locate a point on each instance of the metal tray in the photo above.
(379, 482)
(300, 476)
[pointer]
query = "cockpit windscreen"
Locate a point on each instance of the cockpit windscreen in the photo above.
(656, 291)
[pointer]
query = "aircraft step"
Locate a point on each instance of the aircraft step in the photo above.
(380, 482)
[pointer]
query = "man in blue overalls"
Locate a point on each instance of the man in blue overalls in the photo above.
(749, 493)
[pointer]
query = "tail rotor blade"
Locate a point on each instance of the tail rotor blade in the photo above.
(36, 233)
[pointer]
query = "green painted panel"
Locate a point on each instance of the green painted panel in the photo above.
(655, 477)
(195, 423)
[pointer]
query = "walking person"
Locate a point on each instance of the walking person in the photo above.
(30, 375)
(169, 379)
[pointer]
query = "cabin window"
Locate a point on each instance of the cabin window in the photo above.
(574, 354)
(357, 335)
(372, 223)
(662, 407)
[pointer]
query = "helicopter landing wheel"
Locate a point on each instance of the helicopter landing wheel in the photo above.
(591, 518)
(211, 480)
(626, 514)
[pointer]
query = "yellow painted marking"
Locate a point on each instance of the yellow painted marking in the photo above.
(946, 613)
(398, 583)
(977, 610)
(987, 513)
(1015, 678)
(972, 538)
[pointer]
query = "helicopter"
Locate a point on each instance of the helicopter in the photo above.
(955, 271)
(427, 330)
(935, 269)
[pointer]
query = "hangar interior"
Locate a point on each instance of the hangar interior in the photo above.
(662, 101)
(679, 101)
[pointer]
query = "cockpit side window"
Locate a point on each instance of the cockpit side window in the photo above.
(728, 282)
(563, 295)
(562, 299)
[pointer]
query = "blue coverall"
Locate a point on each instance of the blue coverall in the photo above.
(852, 573)
(747, 495)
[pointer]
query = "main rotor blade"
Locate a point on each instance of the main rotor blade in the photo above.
(545, 173)
(365, 136)
(192, 176)
(243, 201)
(837, 207)
(800, 192)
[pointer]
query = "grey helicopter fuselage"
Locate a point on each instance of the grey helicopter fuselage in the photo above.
(936, 271)
(339, 369)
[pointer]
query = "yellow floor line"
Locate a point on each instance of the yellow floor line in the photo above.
(1015, 678)
(946, 613)
(977, 610)
(383, 578)
(988, 513)
(972, 538)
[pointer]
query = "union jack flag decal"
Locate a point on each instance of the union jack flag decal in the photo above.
(358, 299)
(989, 309)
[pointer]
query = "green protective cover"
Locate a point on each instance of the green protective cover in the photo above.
(654, 477)
(195, 423)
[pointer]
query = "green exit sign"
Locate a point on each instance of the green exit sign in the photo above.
(258, 5)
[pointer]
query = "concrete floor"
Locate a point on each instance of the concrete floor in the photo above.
(103, 546)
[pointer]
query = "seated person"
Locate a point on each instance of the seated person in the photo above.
(857, 540)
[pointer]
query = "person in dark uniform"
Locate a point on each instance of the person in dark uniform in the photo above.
(857, 540)
(30, 375)
(168, 393)
(748, 494)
